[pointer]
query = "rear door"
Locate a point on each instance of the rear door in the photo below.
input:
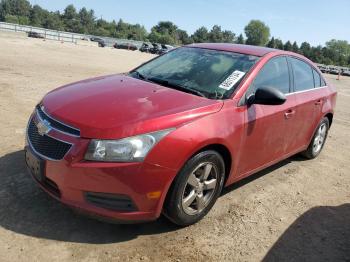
(309, 99)
(268, 127)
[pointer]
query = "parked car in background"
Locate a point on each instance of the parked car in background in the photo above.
(126, 46)
(155, 49)
(96, 39)
(35, 35)
(323, 68)
(334, 70)
(145, 48)
(164, 49)
(102, 43)
(170, 134)
(346, 72)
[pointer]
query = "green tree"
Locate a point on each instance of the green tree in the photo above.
(271, 43)
(288, 46)
(279, 44)
(305, 49)
(71, 19)
(53, 21)
(129, 31)
(201, 35)
(240, 40)
(215, 34)
(228, 36)
(183, 37)
(37, 16)
(341, 47)
(87, 20)
(14, 7)
(19, 8)
(165, 32)
(295, 47)
(257, 32)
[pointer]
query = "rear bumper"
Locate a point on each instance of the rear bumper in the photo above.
(123, 192)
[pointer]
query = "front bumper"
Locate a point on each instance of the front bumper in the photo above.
(122, 191)
(145, 185)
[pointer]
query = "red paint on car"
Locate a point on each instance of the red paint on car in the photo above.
(122, 106)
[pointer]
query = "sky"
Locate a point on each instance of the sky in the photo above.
(314, 21)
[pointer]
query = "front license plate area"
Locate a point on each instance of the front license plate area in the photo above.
(35, 165)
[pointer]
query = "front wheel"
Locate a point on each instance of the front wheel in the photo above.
(318, 140)
(195, 189)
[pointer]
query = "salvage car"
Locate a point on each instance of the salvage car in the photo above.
(166, 137)
(127, 46)
(346, 72)
(144, 48)
(155, 49)
(35, 35)
(164, 49)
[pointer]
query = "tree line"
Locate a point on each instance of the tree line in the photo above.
(335, 52)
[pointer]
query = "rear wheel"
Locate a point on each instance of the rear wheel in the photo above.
(318, 140)
(195, 189)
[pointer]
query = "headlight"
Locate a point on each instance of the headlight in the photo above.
(131, 149)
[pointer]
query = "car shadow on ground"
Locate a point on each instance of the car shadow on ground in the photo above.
(320, 234)
(240, 183)
(25, 209)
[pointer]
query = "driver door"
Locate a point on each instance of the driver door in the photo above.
(268, 128)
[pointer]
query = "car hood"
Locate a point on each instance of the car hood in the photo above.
(117, 106)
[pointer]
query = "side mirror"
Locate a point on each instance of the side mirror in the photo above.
(266, 96)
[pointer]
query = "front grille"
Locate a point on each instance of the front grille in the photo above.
(56, 124)
(45, 145)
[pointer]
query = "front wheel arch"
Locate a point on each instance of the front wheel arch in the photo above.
(171, 207)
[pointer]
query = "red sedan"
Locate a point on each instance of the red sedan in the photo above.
(169, 135)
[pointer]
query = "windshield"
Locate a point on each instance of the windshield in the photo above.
(210, 73)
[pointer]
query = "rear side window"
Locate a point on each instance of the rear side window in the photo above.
(275, 73)
(317, 78)
(303, 76)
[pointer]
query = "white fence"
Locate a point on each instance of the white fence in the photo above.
(62, 36)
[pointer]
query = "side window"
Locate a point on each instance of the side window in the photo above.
(303, 76)
(317, 78)
(275, 73)
(323, 83)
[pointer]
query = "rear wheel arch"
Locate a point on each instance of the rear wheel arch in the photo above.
(330, 118)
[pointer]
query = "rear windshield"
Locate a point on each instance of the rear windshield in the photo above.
(214, 74)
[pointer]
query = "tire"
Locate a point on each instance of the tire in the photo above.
(195, 189)
(317, 142)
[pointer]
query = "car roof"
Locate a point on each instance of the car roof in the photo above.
(237, 48)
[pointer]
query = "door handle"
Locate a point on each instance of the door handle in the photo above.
(318, 102)
(290, 113)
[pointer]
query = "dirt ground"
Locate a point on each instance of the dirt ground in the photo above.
(295, 211)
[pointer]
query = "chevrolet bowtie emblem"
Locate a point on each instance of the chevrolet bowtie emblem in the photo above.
(43, 127)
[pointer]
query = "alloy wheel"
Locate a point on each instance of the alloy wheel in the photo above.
(200, 188)
(319, 138)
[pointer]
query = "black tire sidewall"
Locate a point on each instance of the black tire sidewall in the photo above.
(173, 206)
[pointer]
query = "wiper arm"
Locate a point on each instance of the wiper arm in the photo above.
(176, 86)
(139, 75)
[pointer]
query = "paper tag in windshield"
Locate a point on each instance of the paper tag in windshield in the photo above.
(232, 80)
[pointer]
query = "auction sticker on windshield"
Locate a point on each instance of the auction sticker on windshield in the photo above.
(231, 80)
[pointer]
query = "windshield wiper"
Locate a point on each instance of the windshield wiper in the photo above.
(164, 82)
(139, 75)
